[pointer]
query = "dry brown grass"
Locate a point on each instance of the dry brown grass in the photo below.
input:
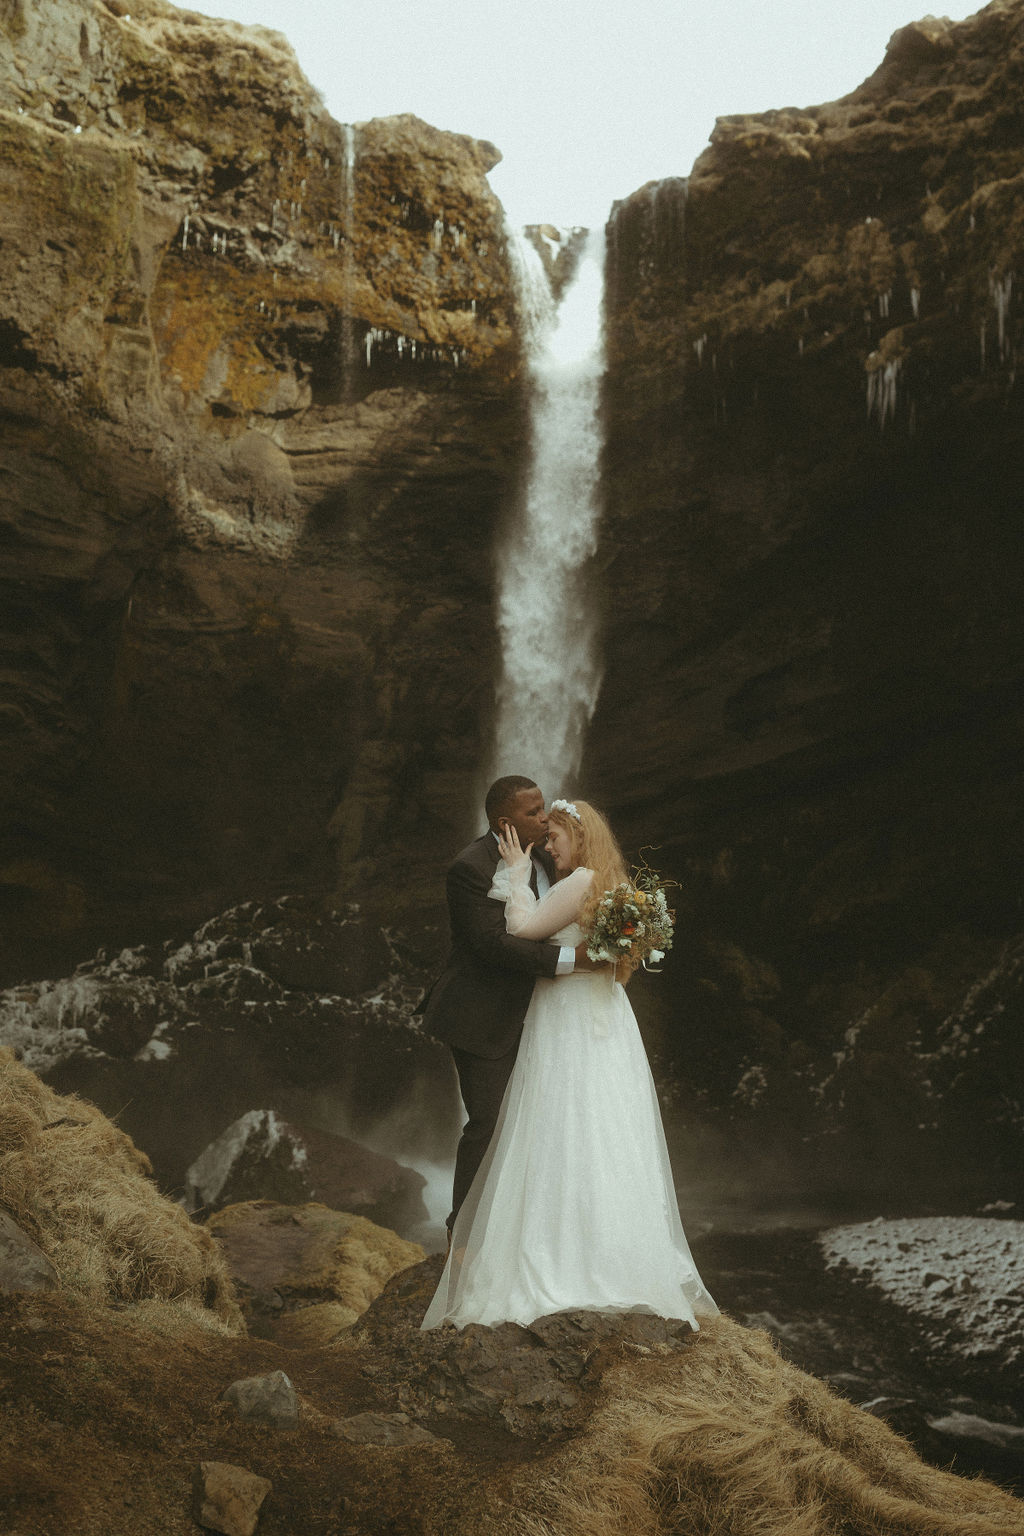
(81, 1189)
(730, 1440)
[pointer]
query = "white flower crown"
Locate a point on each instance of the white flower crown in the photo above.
(569, 809)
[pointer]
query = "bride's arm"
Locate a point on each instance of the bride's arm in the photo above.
(529, 918)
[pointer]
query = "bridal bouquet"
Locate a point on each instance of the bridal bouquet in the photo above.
(633, 924)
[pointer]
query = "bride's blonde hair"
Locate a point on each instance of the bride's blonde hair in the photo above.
(592, 844)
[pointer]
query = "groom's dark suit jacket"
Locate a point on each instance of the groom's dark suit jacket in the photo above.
(479, 1001)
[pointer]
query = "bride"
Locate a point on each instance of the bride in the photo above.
(573, 1205)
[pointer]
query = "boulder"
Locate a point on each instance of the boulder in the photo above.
(533, 1382)
(264, 1157)
(227, 1499)
(266, 1400)
(284, 1259)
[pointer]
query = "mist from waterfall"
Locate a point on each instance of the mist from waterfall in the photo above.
(551, 673)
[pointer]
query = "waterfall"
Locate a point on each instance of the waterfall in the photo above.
(348, 219)
(546, 619)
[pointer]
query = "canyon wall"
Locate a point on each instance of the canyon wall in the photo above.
(257, 385)
(815, 596)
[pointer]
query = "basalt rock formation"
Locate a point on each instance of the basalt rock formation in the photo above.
(257, 429)
(814, 642)
(271, 1013)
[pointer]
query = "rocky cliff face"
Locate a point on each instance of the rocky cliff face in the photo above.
(261, 418)
(258, 426)
(814, 615)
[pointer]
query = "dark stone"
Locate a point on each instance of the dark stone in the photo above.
(822, 594)
(262, 1157)
(533, 1382)
(382, 1429)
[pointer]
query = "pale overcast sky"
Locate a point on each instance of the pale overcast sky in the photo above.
(586, 99)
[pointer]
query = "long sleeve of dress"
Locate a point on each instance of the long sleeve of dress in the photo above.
(529, 918)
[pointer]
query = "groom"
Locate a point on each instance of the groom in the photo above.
(478, 1003)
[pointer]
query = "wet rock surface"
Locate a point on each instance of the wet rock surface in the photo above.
(813, 642)
(531, 1382)
(962, 1278)
(935, 1386)
(185, 1038)
(247, 357)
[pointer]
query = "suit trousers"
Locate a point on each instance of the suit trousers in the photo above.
(482, 1083)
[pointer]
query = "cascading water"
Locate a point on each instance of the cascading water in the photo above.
(348, 216)
(546, 619)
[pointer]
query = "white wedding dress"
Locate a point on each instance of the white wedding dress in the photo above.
(574, 1204)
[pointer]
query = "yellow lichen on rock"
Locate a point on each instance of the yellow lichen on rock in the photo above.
(208, 336)
(310, 1260)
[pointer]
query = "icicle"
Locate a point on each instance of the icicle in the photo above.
(915, 302)
(1001, 291)
(438, 234)
(184, 234)
(800, 346)
(699, 346)
(882, 383)
(883, 303)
